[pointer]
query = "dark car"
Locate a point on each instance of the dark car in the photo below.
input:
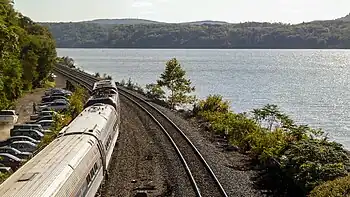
(58, 106)
(10, 161)
(42, 113)
(15, 152)
(18, 138)
(65, 94)
(52, 90)
(56, 90)
(35, 134)
(47, 99)
(4, 169)
(37, 127)
(24, 146)
(40, 119)
(22, 138)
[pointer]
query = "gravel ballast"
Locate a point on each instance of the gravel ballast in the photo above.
(231, 167)
(143, 160)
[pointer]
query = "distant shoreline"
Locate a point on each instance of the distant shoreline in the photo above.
(174, 48)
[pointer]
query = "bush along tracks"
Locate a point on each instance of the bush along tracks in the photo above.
(76, 104)
(294, 160)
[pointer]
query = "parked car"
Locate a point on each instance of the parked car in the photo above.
(46, 124)
(22, 138)
(18, 138)
(37, 135)
(42, 113)
(37, 127)
(46, 105)
(8, 116)
(56, 90)
(47, 99)
(43, 105)
(24, 146)
(55, 106)
(15, 152)
(65, 94)
(10, 161)
(4, 169)
(40, 119)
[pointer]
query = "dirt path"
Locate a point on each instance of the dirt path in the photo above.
(24, 106)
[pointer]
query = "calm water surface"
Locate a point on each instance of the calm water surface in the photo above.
(310, 85)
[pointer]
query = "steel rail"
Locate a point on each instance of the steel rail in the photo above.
(187, 168)
(205, 163)
(88, 80)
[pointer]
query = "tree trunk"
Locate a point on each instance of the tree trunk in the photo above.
(172, 99)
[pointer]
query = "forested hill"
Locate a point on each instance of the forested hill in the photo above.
(27, 54)
(345, 18)
(318, 34)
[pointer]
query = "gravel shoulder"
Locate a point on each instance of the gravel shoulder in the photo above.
(232, 168)
(24, 106)
(143, 160)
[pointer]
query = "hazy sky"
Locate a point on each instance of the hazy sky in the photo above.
(288, 11)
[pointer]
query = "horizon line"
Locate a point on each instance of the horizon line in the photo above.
(220, 21)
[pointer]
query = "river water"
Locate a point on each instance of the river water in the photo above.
(312, 86)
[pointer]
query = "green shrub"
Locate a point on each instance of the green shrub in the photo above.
(267, 145)
(301, 153)
(77, 101)
(311, 162)
(213, 103)
(4, 176)
(60, 120)
(337, 188)
(154, 91)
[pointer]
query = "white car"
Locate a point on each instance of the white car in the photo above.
(8, 116)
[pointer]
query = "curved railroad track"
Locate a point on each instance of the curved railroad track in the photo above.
(203, 179)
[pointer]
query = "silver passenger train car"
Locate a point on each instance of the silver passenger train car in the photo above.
(75, 163)
(104, 91)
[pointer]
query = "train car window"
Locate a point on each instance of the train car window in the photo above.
(88, 179)
(95, 167)
(92, 173)
(108, 142)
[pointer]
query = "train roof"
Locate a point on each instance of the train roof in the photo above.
(101, 100)
(49, 169)
(45, 173)
(92, 119)
(104, 84)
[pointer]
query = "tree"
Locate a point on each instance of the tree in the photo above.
(317, 34)
(154, 91)
(271, 116)
(66, 61)
(174, 78)
(27, 54)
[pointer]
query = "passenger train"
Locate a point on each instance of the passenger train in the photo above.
(76, 162)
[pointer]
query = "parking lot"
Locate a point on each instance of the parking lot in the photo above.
(18, 141)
